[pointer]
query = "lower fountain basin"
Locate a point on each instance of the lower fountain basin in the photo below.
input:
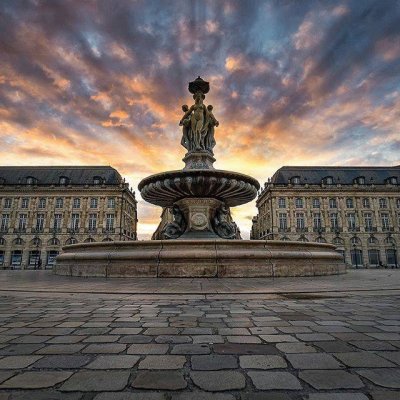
(166, 188)
(199, 258)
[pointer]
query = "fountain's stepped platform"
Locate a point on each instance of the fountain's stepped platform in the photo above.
(195, 258)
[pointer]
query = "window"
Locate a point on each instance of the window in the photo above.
(33, 260)
(71, 240)
(59, 202)
(36, 241)
(385, 221)
(281, 202)
(334, 220)
(51, 257)
(96, 180)
(18, 241)
(320, 239)
(361, 180)
(92, 222)
(295, 180)
(368, 221)
(75, 222)
(94, 202)
(39, 222)
(42, 203)
(76, 202)
(54, 242)
(1, 257)
(366, 202)
(57, 221)
(393, 180)
(300, 220)
(317, 220)
(338, 241)
(382, 202)
(16, 257)
(2, 241)
(299, 202)
(398, 202)
(372, 240)
(7, 203)
(316, 203)
(23, 218)
(30, 180)
(89, 240)
(329, 180)
(24, 203)
(391, 257)
(349, 202)
(332, 203)
(63, 180)
(111, 202)
(5, 220)
(351, 220)
(356, 257)
(109, 222)
(282, 221)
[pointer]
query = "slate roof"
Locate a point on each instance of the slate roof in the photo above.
(82, 175)
(342, 175)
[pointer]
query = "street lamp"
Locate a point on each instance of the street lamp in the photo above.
(37, 260)
(394, 253)
(355, 254)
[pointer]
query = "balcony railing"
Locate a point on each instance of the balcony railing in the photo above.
(353, 229)
(371, 229)
(3, 230)
(72, 230)
(319, 229)
(282, 230)
(90, 230)
(387, 229)
(108, 230)
(19, 230)
(55, 230)
(37, 230)
(301, 229)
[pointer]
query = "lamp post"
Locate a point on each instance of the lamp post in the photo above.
(394, 253)
(355, 254)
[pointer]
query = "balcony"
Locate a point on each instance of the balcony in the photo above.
(37, 230)
(55, 230)
(3, 230)
(19, 230)
(301, 230)
(90, 230)
(108, 230)
(353, 229)
(72, 231)
(387, 229)
(371, 229)
(336, 229)
(319, 229)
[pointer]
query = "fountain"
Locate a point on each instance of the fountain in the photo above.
(202, 240)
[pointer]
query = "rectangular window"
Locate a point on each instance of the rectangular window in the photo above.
(23, 218)
(51, 257)
(109, 222)
(385, 221)
(391, 257)
(300, 220)
(1, 257)
(76, 202)
(92, 222)
(94, 202)
(5, 220)
(24, 203)
(334, 220)
(373, 257)
(39, 222)
(366, 202)
(111, 202)
(317, 220)
(316, 203)
(281, 202)
(397, 202)
(42, 203)
(282, 221)
(7, 203)
(75, 222)
(349, 202)
(60, 202)
(332, 203)
(299, 202)
(382, 202)
(351, 220)
(57, 221)
(16, 257)
(368, 221)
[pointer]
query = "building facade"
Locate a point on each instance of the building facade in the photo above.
(355, 208)
(44, 208)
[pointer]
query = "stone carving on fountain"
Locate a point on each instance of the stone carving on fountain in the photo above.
(199, 195)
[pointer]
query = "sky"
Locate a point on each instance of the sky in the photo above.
(308, 82)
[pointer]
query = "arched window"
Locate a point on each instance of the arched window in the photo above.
(89, 240)
(107, 239)
(360, 180)
(295, 180)
(328, 180)
(372, 240)
(63, 180)
(36, 241)
(97, 180)
(71, 240)
(2, 241)
(18, 241)
(53, 242)
(338, 241)
(390, 241)
(30, 180)
(355, 240)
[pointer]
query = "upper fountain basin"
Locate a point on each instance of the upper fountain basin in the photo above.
(166, 188)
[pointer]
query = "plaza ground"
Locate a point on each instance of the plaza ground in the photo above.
(317, 338)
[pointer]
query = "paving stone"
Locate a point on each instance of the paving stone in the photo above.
(31, 339)
(347, 337)
(372, 345)
(265, 396)
(233, 348)
(61, 349)
(162, 362)
(215, 381)
(264, 330)
(386, 377)
(161, 331)
(96, 381)
(43, 395)
(129, 396)
(393, 356)
(197, 331)
(91, 331)
(4, 375)
(278, 338)
(17, 362)
(233, 331)
(330, 379)
(314, 337)
(36, 379)
(213, 362)
(210, 339)
(111, 348)
(295, 348)
(125, 331)
(174, 339)
(148, 348)
(101, 339)
(336, 396)
(334, 347)
(70, 339)
(313, 361)
(385, 336)
(190, 349)
(113, 362)
(363, 359)
(135, 339)
(20, 349)
(386, 395)
(266, 380)
(62, 362)
(243, 339)
(294, 329)
(54, 331)
(202, 396)
(161, 380)
(262, 362)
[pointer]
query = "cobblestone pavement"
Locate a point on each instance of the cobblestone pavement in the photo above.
(120, 347)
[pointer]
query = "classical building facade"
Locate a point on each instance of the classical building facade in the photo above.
(355, 208)
(45, 208)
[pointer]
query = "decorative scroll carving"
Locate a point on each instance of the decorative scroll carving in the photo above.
(221, 224)
(177, 227)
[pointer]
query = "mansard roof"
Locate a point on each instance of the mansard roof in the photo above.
(79, 175)
(342, 175)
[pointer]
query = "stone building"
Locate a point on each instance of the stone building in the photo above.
(355, 208)
(45, 208)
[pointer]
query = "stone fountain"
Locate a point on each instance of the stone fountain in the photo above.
(202, 240)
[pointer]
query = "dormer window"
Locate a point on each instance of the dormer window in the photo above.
(360, 180)
(328, 180)
(295, 180)
(2, 181)
(97, 180)
(30, 180)
(392, 180)
(63, 180)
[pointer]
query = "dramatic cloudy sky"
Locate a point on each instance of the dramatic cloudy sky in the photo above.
(292, 83)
